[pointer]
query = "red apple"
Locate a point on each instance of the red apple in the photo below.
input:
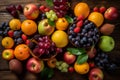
(96, 74)
(91, 53)
(111, 13)
(34, 65)
(8, 54)
(69, 58)
(31, 11)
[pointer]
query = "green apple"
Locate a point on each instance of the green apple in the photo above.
(106, 43)
(8, 54)
(44, 28)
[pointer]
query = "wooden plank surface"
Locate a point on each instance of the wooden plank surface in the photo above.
(5, 74)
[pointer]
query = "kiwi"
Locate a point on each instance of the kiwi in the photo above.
(15, 66)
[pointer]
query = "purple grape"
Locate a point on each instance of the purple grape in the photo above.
(40, 44)
(35, 51)
(41, 51)
(59, 50)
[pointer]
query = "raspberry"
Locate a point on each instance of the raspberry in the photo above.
(95, 9)
(79, 23)
(102, 9)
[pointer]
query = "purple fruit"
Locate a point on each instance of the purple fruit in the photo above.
(11, 8)
(14, 14)
(19, 8)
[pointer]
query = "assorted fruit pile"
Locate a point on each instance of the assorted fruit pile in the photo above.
(78, 41)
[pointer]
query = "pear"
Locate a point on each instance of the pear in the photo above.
(107, 29)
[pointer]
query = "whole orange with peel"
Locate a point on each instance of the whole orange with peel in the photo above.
(81, 9)
(97, 18)
(81, 68)
(7, 42)
(29, 27)
(22, 52)
(62, 24)
(15, 24)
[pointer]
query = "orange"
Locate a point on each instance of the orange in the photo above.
(62, 24)
(97, 18)
(22, 52)
(15, 24)
(29, 27)
(81, 9)
(7, 42)
(81, 68)
(60, 38)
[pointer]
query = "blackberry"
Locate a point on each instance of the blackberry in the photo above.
(88, 35)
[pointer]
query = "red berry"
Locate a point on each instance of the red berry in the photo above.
(102, 9)
(46, 9)
(81, 17)
(71, 69)
(77, 29)
(10, 33)
(79, 23)
(42, 8)
(91, 64)
(24, 37)
(95, 9)
(27, 42)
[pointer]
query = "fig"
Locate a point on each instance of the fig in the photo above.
(15, 66)
(107, 29)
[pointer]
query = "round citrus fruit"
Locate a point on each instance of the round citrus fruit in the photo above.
(97, 18)
(7, 42)
(62, 24)
(22, 52)
(15, 24)
(81, 9)
(60, 38)
(29, 27)
(81, 68)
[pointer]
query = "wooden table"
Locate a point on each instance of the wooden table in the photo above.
(5, 74)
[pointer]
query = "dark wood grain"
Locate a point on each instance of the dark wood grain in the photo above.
(5, 74)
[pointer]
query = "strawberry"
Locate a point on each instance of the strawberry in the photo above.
(91, 64)
(27, 42)
(81, 17)
(79, 23)
(95, 9)
(42, 8)
(102, 9)
(77, 29)
(24, 37)
(10, 33)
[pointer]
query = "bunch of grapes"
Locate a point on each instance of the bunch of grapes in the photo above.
(45, 47)
(62, 66)
(87, 36)
(51, 15)
(61, 7)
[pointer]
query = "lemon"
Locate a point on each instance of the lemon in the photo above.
(81, 68)
(97, 18)
(15, 24)
(60, 38)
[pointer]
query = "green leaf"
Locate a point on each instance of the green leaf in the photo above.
(69, 19)
(49, 2)
(76, 51)
(51, 23)
(82, 58)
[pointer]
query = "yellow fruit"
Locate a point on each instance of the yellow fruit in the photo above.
(60, 38)
(15, 24)
(81, 9)
(7, 42)
(97, 18)
(62, 24)
(81, 68)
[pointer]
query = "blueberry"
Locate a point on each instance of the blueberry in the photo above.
(7, 24)
(81, 41)
(74, 25)
(17, 34)
(78, 34)
(70, 37)
(86, 22)
(78, 38)
(2, 25)
(84, 39)
(84, 31)
(95, 30)
(19, 40)
(77, 43)
(88, 44)
(89, 26)
(86, 27)
(90, 40)
(73, 39)
(71, 31)
(1, 33)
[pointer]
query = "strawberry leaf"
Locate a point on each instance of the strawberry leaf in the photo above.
(51, 23)
(82, 58)
(69, 19)
(49, 2)
(76, 51)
